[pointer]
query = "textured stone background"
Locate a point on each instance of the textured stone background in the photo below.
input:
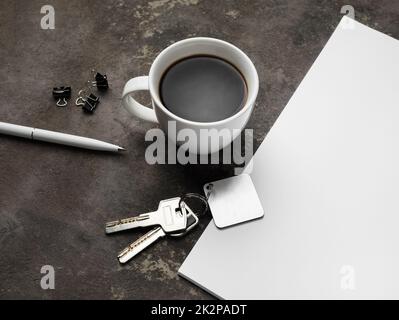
(54, 200)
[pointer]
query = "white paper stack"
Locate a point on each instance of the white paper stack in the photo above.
(327, 175)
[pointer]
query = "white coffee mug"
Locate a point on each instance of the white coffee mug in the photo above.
(160, 114)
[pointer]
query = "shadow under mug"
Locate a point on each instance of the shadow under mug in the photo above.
(160, 114)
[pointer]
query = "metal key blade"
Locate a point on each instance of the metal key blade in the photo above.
(168, 216)
(127, 223)
(140, 244)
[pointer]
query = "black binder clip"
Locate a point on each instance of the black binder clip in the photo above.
(100, 81)
(88, 102)
(61, 94)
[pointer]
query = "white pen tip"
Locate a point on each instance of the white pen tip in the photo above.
(121, 149)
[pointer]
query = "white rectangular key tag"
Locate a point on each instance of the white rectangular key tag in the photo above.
(233, 200)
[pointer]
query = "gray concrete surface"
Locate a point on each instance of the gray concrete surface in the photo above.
(54, 200)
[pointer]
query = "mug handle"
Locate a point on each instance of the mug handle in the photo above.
(131, 105)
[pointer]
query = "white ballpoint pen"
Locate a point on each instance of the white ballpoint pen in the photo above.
(57, 137)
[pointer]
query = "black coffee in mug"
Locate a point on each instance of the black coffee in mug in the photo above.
(203, 89)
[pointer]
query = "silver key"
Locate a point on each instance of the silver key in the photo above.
(168, 216)
(149, 238)
(140, 244)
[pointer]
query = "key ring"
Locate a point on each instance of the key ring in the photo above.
(198, 196)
